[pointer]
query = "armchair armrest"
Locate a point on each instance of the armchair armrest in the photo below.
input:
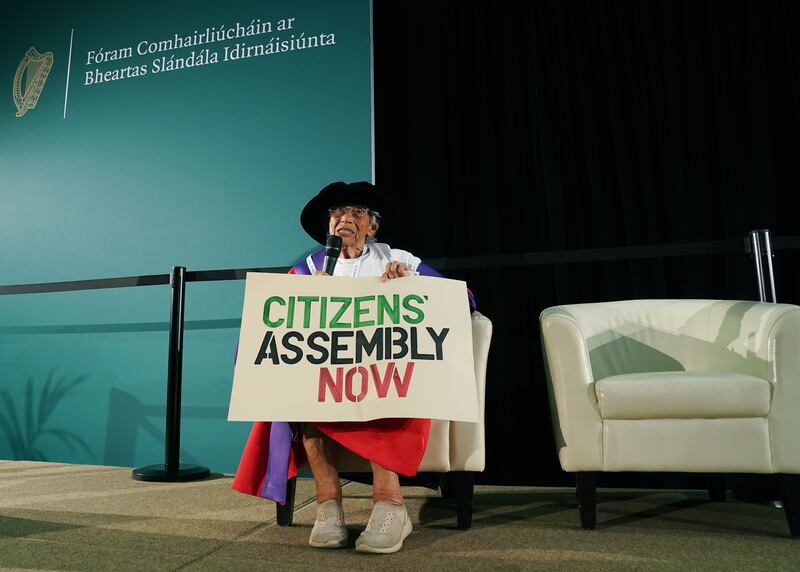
(467, 440)
(783, 347)
(576, 419)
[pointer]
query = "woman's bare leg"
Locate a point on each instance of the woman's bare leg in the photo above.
(385, 485)
(321, 452)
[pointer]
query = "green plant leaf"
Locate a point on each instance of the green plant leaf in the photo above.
(30, 435)
(16, 427)
(24, 434)
(44, 400)
(54, 395)
(68, 438)
(12, 435)
(62, 387)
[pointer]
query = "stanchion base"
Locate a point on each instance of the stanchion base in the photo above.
(158, 473)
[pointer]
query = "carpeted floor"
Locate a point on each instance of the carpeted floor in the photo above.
(74, 517)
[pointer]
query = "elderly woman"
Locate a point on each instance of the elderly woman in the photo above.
(354, 212)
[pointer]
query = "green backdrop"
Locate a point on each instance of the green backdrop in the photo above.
(205, 167)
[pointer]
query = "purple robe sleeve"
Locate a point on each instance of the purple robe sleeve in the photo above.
(280, 445)
(280, 434)
(428, 270)
(302, 269)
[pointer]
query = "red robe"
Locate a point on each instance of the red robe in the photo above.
(397, 444)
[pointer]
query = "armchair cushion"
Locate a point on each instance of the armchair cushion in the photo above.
(683, 395)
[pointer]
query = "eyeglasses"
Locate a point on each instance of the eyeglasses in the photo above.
(357, 212)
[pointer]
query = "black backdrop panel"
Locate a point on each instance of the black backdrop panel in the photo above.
(506, 128)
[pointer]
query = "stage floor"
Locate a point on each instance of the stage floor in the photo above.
(76, 517)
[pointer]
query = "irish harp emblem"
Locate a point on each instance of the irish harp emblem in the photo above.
(29, 79)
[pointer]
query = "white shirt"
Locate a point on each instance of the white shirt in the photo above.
(372, 262)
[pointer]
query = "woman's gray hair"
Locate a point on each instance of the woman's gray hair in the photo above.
(374, 218)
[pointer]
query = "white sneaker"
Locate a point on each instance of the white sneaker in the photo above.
(329, 529)
(388, 527)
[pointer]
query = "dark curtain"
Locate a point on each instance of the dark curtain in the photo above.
(555, 125)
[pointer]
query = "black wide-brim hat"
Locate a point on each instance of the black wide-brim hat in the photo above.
(315, 215)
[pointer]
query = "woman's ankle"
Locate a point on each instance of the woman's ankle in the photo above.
(322, 497)
(395, 499)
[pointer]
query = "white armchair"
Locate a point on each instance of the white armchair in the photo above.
(704, 386)
(455, 448)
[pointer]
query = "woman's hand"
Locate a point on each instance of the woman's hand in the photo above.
(394, 269)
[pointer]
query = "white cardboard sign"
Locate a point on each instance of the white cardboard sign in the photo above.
(315, 348)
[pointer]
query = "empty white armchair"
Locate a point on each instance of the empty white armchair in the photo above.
(455, 448)
(706, 386)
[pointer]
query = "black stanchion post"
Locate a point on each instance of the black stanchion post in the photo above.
(172, 470)
(172, 434)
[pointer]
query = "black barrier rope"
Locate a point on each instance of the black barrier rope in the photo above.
(731, 246)
(129, 281)
(99, 283)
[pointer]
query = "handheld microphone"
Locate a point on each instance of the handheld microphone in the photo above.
(333, 247)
